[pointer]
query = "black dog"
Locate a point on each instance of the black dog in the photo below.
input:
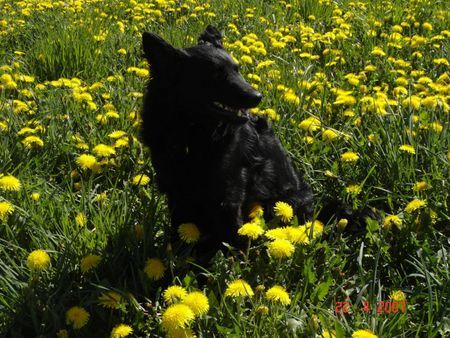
(212, 158)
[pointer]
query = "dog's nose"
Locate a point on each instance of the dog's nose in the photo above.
(256, 98)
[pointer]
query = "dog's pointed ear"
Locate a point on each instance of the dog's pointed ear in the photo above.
(161, 55)
(155, 47)
(211, 35)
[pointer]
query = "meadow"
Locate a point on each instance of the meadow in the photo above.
(357, 91)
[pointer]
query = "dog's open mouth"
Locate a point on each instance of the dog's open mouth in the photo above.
(237, 114)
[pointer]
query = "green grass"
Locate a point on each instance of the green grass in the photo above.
(323, 43)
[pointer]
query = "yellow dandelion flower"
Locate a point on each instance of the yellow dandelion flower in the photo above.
(429, 102)
(101, 197)
(296, 235)
(353, 189)
(349, 156)
(38, 260)
(121, 331)
(308, 139)
(310, 124)
(189, 232)
(122, 51)
(95, 86)
(284, 211)
(142, 72)
(256, 211)
(276, 233)
(436, 126)
(101, 118)
(364, 334)
(86, 161)
(174, 294)
(328, 334)
(141, 179)
(329, 173)
(81, 219)
(238, 288)
(291, 97)
(5, 78)
(181, 333)
(278, 294)
(400, 91)
(35, 196)
(413, 101)
(154, 268)
(82, 146)
(116, 134)
(247, 59)
(345, 100)
(421, 186)
(441, 61)
(252, 230)
(415, 205)
(3, 125)
(104, 150)
(280, 248)
(377, 51)
(20, 106)
(317, 228)
(397, 296)
(77, 317)
(110, 299)
(391, 220)
(26, 130)
(11, 85)
(122, 142)
(352, 79)
(10, 183)
(86, 97)
(32, 141)
(407, 148)
(402, 81)
(89, 262)
(348, 113)
(177, 316)
(329, 135)
(427, 26)
(198, 303)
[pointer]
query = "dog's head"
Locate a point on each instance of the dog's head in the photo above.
(204, 75)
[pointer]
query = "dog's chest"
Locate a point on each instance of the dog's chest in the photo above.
(204, 142)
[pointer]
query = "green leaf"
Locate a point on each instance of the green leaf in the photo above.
(372, 225)
(225, 330)
(308, 272)
(321, 291)
(360, 256)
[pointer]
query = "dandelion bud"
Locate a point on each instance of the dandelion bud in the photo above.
(342, 224)
(262, 310)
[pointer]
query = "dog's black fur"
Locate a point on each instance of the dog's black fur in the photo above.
(213, 159)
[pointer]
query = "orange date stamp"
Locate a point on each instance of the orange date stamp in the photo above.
(381, 307)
